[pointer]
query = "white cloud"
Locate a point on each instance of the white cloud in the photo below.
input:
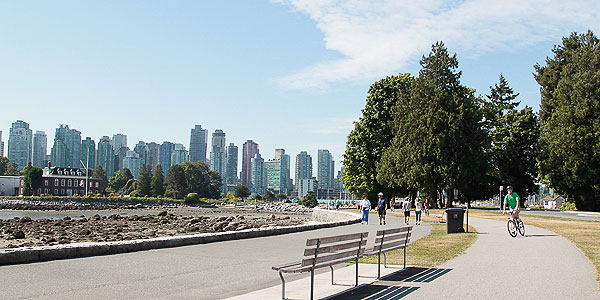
(377, 38)
(333, 125)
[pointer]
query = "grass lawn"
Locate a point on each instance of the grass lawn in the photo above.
(432, 250)
(584, 234)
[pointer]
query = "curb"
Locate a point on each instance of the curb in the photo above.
(86, 249)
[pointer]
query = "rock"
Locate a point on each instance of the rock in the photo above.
(26, 220)
(162, 213)
(96, 217)
(19, 234)
(67, 218)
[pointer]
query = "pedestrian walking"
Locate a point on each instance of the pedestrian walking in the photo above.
(418, 207)
(426, 205)
(406, 208)
(381, 207)
(365, 206)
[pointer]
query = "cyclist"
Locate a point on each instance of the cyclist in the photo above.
(512, 202)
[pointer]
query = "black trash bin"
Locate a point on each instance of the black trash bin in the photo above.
(454, 220)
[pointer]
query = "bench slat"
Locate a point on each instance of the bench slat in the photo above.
(386, 246)
(322, 259)
(390, 238)
(317, 266)
(334, 248)
(394, 230)
(337, 238)
(276, 268)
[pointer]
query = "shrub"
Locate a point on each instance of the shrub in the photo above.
(309, 200)
(192, 198)
(567, 205)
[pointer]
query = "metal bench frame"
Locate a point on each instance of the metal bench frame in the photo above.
(387, 240)
(327, 252)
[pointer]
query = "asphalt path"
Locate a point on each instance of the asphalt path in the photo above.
(576, 215)
(208, 271)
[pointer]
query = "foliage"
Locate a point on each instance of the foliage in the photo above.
(144, 181)
(372, 135)
(269, 195)
(570, 107)
(175, 182)
(129, 187)
(200, 179)
(309, 200)
(242, 191)
(567, 205)
(118, 182)
(256, 197)
(438, 138)
(192, 198)
(8, 168)
(100, 173)
(157, 184)
(32, 179)
(281, 196)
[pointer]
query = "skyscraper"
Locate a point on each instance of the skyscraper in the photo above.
(88, 152)
(232, 165)
(325, 175)
(278, 173)
(19, 144)
(179, 154)
(40, 147)
(105, 156)
(67, 147)
(218, 153)
(153, 150)
(250, 149)
(133, 162)
(1, 145)
(303, 166)
(198, 141)
(164, 156)
(258, 178)
(142, 149)
(119, 141)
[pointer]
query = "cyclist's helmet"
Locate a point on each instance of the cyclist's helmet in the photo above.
(509, 187)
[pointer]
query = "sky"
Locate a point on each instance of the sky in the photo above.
(290, 74)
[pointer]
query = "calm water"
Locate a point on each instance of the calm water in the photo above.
(5, 215)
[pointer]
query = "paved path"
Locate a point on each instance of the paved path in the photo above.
(540, 265)
(209, 271)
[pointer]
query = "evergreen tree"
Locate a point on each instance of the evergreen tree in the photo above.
(176, 185)
(241, 191)
(100, 173)
(157, 185)
(309, 200)
(144, 181)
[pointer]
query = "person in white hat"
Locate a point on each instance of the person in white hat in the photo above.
(381, 207)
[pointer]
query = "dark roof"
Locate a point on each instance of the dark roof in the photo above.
(66, 171)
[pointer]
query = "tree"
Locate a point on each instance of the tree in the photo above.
(281, 196)
(309, 200)
(32, 179)
(200, 179)
(372, 135)
(438, 139)
(569, 142)
(121, 178)
(241, 191)
(269, 195)
(8, 168)
(144, 181)
(176, 185)
(100, 173)
(157, 185)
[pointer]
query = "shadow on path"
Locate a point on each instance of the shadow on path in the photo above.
(540, 235)
(391, 287)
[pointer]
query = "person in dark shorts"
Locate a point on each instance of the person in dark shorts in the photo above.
(406, 208)
(381, 207)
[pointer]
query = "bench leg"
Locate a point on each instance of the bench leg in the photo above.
(282, 285)
(378, 265)
(384, 260)
(356, 281)
(312, 283)
(331, 274)
(405, 257)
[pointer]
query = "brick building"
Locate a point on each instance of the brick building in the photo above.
(59, 181)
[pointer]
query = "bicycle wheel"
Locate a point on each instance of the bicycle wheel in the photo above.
(512, 228)
(520, 226)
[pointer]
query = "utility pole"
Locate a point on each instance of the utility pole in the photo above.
(87, 162)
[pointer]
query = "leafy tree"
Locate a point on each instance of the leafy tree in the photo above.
(200, 179)
(144, 181)
(569, 140)
(117, 182)
(175, 182)
(32, 179)
(157, 185)
(281, 196)
(100, 173)
(257, 197)
(372, 135)
(129, 187)
(8, 168)
(242, 191)
(438, 139)
(309, 200)
(269, 195)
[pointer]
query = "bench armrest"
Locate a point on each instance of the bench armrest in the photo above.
(277, 268)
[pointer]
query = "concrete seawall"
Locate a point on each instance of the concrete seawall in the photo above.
(321, 219)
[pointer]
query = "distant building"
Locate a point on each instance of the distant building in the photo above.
(278, 173)
(306, 184)
(164, 156)
(249, 150)
(303, 167)
(258, 178)
(40, 149)
(325, 171)
(133, 162)
(119, 141)
(1, 145)
(143, 151)
(153, 154)
(552, 201)
(121, 156)
(65, 182)
(231, 166)
(9, 185)
(179, 154)
(20, 144)
(218, 154)
(105, 156)
(88, 152)
(67, 147)
(198, 142)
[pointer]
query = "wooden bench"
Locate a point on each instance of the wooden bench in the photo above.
(326, 252)
(387, 240)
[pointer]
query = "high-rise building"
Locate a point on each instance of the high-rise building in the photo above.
(218, 153)
(164, 156)
(198, 142)
(249, 150)
(133, 162)
(303, 166)
(67, 147)
(142, 149)
(325, 175)
(258, 178)
(119, 141)
(105, 156)
(153, 150)
(40, 149)
(231, 178)
(88, 152)
(278, 173)
(19, 144)
(306, 184)
(1, 145)
(179, 154)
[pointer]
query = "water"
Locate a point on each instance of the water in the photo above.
(36, 215)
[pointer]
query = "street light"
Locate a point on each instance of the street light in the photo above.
(87, 162)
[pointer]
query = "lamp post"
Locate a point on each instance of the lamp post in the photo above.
(87, 162)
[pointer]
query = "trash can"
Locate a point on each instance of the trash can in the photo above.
(454, 220)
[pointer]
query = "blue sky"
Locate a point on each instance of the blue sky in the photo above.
(287, 74)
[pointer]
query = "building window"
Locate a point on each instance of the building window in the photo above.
(82, 192)
(97, 184)
(62, 183)
(69, 182)
(74, 192)
(55, 182)
(62, 191)
(55, 191)
(46, 182)
(91, 184)
(46, 191)
(39, 191)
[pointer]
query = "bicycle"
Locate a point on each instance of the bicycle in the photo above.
(514, 225)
